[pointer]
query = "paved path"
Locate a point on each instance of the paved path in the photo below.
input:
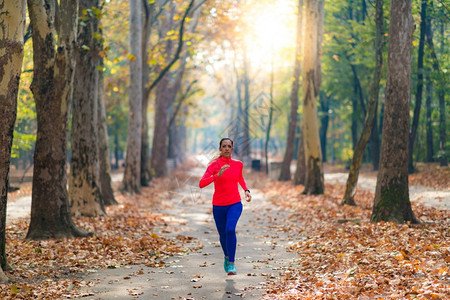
(419, 193)
(20, 208)
(261, 256)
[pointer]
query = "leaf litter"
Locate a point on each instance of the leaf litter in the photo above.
(342, 255)
(128, 235)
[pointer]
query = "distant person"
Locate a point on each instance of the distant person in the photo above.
(226, 173)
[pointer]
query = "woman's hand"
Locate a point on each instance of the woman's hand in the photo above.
(223, 169)
(248, 196)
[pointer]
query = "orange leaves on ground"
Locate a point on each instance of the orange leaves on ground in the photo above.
(344, 256)
(129, 234)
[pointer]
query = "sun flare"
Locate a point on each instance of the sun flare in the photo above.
(271, 29)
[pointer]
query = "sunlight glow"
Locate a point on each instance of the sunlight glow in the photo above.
(271, 29)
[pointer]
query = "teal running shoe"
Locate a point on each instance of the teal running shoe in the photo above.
(232, 269)
(226, 264)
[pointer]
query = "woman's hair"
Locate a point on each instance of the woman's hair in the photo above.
(225, 139)
(217, 155)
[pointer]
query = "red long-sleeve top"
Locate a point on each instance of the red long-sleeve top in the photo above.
(226, 186)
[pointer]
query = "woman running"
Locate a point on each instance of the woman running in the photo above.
(226, 173)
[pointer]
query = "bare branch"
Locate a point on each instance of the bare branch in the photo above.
(182, 98)
(180, 47)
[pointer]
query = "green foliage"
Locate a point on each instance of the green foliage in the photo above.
(349, 40)
(439, 25)
(26, 125)
(216, 52)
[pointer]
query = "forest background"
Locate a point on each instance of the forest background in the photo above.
(216, 56)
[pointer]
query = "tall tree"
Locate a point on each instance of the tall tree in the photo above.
(285, 173)
(54, 66)
(176, 123)
(314, 183)
(300, 170)
(352, 179)
(269, 124)
(391, 201)
(12, 26)
(419, 84)
(132, 175)
(246, 132)
(149, 10)
(324, 106)
(85, 195)
(162, 99)
(375, 143)
(103, 148)
(162, 103)
(441, 95)
(429, 128)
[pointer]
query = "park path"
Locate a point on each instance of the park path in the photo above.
(20, 208)
(417, 193)
(261, 255)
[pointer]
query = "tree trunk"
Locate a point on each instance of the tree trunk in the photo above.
(85, 196)
(442, 130)
(246, 134)
(300, 171)
(391, 201)
(182, 137)
(11, 57)
(173, 111)
(318, 61)
(354, 124)
(419, 85)
(429, 97)
(103, 146)
(285, 173)
(162, 103)
(160, 136)
(375, 143)
(116, 148)
(269, 125)
(441, 95)
(174, 91)
(352, 179)
(324, 121)
(146, 174)
(172, 146)
(177, 144)
(132, 175)
(52, 90)
(238, 119)
(314, 183)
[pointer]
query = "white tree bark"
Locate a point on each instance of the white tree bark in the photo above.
(85, 195)
(52, 90)
(314, 183)
(12, 27)
(132, 176)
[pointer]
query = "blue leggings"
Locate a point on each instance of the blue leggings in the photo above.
(226, 218)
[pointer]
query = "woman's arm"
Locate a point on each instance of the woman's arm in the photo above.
(208, 177)
(241, 179)
(248, 196)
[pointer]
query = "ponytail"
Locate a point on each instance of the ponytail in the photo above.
(214, 158)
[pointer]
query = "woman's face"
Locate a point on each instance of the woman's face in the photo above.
(226, 148)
